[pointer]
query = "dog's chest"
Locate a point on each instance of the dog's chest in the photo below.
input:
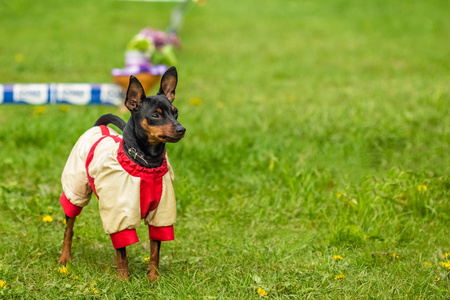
(113, 175)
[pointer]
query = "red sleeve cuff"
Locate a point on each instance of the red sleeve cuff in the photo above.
(124, 238)
(161, 233)
(69, 209)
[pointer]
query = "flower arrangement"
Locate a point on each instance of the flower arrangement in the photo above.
(154, 47)
(148, 55)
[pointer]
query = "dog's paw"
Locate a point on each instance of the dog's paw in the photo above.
(123, 275)
(153, 276)
(64, 259)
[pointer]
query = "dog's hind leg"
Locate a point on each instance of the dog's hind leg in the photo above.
(71, 211)
(153, 267)
(122, 264)
(67, 244)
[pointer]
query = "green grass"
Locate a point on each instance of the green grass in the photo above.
(318, 123)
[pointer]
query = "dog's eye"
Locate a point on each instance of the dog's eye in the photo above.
(155, 115)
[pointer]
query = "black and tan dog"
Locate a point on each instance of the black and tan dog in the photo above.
(131, 176)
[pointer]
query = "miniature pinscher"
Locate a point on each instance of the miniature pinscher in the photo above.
(131, 176)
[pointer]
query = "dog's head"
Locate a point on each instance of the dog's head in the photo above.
(155, 117)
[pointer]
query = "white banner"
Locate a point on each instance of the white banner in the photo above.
(30, 93)
(111, 94)
(79, 94)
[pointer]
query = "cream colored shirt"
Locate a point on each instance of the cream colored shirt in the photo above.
(117, 190)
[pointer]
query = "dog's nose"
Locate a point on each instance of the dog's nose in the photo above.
(181, 130)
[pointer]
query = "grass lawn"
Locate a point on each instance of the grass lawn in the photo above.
(316, 130)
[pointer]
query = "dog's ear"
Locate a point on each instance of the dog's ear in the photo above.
(169, 83)
(135, 94)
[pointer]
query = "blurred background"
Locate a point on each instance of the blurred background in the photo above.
(314, 128)
(352, 67)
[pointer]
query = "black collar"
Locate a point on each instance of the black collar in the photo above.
(136, 155)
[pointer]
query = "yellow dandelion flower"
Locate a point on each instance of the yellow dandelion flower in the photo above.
(341, 276)
(146, 259)
(422, 188)
(437, 278)
(262, 292)
(339, 195)
(76, 277)
(64, 108)
(447, 255)
(63, 270)
(47, 219)
(2, 284)
(39, 110)
(427, 264)
(394, 255)
(94, 290)
(446, 265)
(18, 57)
(271, 164)
(195, 101)
(337, 257)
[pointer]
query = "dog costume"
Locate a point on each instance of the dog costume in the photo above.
(127, 192)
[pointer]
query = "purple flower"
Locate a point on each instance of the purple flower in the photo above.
(160, 38)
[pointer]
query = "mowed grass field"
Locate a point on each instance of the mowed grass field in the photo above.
(315, 164)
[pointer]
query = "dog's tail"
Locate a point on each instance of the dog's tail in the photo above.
(111, 119)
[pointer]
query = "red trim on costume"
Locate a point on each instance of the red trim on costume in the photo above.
(161, 233)
(136, 170)
(90, 156)
(151, 180)
(70, 209)
(124, 238)
(150, 194)
(105, 130)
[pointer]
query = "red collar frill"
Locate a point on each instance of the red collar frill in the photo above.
(136, 170)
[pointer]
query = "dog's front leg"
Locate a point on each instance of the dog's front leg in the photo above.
(153, 267)
(122, 264)
(67, 244)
